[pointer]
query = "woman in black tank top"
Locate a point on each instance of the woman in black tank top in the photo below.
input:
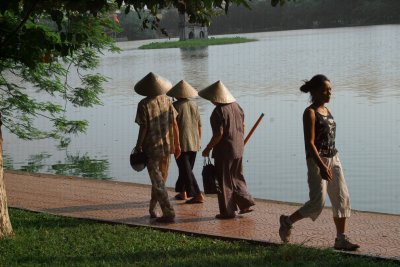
(325, 131)
(325, 175)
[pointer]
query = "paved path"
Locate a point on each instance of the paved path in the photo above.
(378, 234)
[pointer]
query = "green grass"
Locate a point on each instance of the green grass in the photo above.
(46, 240)
(193, 43)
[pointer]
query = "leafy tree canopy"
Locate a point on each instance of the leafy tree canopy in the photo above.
(41, 41)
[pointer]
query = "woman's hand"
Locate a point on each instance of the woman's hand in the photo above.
(217, 136)
(177, 151)
(326, 173)
(206, 152)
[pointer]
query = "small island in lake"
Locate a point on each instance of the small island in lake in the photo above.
(193, 43)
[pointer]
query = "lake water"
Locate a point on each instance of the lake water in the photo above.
(363, 64)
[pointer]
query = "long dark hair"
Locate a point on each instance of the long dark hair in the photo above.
(316, 83)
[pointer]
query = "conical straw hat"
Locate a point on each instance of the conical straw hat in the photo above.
(152, 85)
(182, 90)
(218, 93)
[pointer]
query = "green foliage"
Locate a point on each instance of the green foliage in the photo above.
(198, 11)
(132, 26)
(41, 43)
(306, 14)
(197, 43)
(46, 240)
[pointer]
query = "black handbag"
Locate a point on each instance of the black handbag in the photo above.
(210, 182)
(138, 160)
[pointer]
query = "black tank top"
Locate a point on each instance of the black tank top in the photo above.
(325, 133)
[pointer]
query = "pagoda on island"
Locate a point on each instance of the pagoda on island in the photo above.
(190, 30)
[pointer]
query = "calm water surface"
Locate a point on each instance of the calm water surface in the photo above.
(363, 64)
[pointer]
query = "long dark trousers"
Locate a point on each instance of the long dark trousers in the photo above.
(233, 186)
(186, 179)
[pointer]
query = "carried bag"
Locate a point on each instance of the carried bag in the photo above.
(210, 182)
(138, 160)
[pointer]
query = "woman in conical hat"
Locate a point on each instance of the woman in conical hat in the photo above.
(182, 90)
(189, 124)
(158, 138)
(152, 85)
(217, 93)
(227, 145)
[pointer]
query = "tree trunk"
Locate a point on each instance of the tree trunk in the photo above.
(5, 223)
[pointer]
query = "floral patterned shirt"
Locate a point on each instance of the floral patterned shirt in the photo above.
(157, 114)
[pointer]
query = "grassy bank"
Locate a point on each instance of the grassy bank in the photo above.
(53, 241)
(193, 43)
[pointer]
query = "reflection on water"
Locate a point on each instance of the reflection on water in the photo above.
(35, 163)
(72, 165)
(82, 166)
(8, 162)
(195, 65)
(363, 64)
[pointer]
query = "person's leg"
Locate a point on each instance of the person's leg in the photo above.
(317, 193)
(338, 191)
(241, 195)
(342, 241)
(185, 172)
(180, 183)
(157, 170)
(340, 224)
(181, 195)
(340, 199)
(295, 216)
(192, 183)
(312, 208)
(164, 166)
(192, 158)
(226, 203)
(153, 199)
(153, 204)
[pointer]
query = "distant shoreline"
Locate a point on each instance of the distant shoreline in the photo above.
(216, 35)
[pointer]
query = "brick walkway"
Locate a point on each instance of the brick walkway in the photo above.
(378, 234)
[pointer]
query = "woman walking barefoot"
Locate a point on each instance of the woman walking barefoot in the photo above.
(189, 124)
(325, 174)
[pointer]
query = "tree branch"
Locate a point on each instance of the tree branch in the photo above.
(9, 36)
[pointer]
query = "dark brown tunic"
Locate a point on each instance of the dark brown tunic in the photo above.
(230, 118)
(227, 156)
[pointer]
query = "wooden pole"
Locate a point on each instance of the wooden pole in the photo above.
(253, 129)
